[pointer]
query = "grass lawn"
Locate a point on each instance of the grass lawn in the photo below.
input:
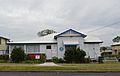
(62, 67)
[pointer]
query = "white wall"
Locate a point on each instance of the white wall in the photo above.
(92, 50)
(60, 44)
(50, 52)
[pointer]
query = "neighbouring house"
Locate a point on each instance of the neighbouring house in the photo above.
(116, 48)
(3, 45)
(107, 51)
(54, 45)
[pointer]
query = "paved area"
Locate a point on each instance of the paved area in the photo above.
(57, 74)
(47, 64)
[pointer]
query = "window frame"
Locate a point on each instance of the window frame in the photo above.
(48, 47)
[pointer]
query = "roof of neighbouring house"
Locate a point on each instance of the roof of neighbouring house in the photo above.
(4, 37)
(116, 43)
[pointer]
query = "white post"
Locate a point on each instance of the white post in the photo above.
(25, 49)
(9, 50)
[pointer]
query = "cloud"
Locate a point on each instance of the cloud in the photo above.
(22, 19)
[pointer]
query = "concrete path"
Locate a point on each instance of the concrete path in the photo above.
(47, 64)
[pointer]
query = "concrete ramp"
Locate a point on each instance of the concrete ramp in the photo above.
(47, 64)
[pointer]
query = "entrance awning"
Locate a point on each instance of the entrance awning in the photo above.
(70, 42)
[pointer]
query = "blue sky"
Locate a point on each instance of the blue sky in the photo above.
(22, 19)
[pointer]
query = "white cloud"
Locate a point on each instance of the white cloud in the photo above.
(31, 16)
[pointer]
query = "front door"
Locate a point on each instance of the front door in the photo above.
(48, 52)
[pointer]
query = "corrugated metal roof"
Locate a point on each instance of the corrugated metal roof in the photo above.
(50, 39)
(92, 39)
(116, 43)
(44, 39)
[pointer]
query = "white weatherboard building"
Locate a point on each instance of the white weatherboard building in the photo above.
(54, 45)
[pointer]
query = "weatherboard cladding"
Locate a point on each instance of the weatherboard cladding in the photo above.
(71, 30)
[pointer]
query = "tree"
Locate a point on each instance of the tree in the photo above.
(116, 39)
(45, 32)
(18, 55)
(73, 55)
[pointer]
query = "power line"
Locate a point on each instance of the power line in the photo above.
(101, 28)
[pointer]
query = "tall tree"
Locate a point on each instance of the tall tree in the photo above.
(116, 39)
(45, 32)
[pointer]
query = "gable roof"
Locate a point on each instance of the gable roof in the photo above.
(50, 39)
(81, 34)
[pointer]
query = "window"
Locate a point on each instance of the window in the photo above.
(48, 47)
(33, 48)
(115, 51)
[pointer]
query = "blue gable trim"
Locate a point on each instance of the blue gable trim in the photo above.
(83, 35)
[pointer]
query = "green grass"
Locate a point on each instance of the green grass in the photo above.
(63, 67)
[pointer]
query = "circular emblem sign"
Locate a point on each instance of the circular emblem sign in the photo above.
(61, 48)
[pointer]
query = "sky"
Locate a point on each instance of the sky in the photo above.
(22, 19)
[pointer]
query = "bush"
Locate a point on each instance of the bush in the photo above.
(73, 55)
(17, 55)
(42, 58)
(57, 60)
(87, 60)
(33, 60)
(4, 57)
(100, 59)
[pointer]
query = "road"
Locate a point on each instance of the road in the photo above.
(58, 74)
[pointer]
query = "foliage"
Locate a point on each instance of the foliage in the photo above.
(4, 57)
(33, 60)
(100, 59)
(87, 60)
(103, 48)
(57, 60)
(116, 39)
(17, 55)
(45, 32)
(43, 58)
(73, 55)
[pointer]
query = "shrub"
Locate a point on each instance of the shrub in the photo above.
(4, 57)
(73, 55)
(100, 59)
(33, 60)
(42, 58)
(87, 60)
(57, 60)
(17, 55)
